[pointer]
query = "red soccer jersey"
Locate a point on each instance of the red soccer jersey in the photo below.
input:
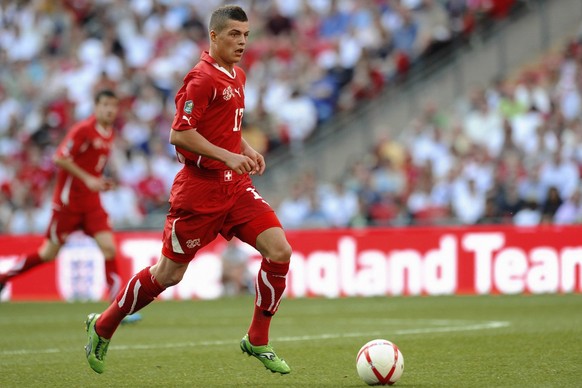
(211, 101)
(88, 145)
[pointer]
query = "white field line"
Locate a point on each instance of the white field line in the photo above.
(465, 326)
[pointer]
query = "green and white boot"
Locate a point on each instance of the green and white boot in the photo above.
(266, 355)
(96, 348)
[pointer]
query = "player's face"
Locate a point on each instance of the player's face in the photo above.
(229, 44)
(106, 110)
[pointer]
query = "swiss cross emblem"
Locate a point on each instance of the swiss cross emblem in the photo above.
(228, 175)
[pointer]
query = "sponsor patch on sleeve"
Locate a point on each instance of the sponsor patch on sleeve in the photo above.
(188, 106)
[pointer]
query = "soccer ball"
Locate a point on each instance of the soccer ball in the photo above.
(379, 362)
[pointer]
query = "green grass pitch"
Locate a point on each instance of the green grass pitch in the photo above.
(458, 341)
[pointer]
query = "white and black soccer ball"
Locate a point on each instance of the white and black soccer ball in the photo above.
(380, 362)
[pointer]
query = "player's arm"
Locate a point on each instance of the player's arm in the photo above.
(92, 182)
(192, 141)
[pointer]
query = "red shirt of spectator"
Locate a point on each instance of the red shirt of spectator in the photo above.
(152, 193)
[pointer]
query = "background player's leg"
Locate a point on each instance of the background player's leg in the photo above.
(47, 252)
(106, 243)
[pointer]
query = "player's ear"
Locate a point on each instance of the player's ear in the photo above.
(212, 36)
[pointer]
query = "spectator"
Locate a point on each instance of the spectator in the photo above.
(531, 93)
(435, 28)
(297, 118)
(508, 200)
(551, 205)
(151, 191)
(468, 202)
(388, 179)
(121, 203)
(531, 185)
(335, 23)
(316, 217)
(277, 23)
(324, 91)
(561, 172)
(419, 200)
(529, 215)
(491, 214)
(570, 211)
(339, 206)
(484, 127)
(293, 211)
(236, 279)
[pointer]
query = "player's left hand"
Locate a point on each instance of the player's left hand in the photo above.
(108, 184)
(258, 159)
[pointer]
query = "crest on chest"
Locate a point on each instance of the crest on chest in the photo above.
(229, 92)
(100, 144)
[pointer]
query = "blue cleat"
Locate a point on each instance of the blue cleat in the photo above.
(130, 319)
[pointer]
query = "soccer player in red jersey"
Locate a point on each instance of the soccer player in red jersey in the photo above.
(212, 194)
(81, 158)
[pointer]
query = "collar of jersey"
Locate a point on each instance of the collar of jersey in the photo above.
(206, 57)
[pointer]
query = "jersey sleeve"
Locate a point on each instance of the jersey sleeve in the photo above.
(73, 143)
(192, 101)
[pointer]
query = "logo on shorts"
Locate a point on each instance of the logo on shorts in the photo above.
(193, 243)
(188, 106)
(228, 175)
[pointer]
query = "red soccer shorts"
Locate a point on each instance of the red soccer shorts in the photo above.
(205, 204)
(64, 222)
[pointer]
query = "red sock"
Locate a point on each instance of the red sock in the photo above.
(21, 266)
(140, 291)
(269, 288)
(112, 277)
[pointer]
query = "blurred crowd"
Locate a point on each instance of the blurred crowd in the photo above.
(508, 153)
(306, 61)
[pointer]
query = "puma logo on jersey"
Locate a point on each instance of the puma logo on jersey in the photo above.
(187, 119)
(237, 92)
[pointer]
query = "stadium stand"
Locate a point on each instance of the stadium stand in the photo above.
(319, 57)
(510, 153)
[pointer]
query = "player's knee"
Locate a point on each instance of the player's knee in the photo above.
(108, 252)
(49, 250)
(167, 275)
(281, 252)
(169, 279)
(50, 256)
